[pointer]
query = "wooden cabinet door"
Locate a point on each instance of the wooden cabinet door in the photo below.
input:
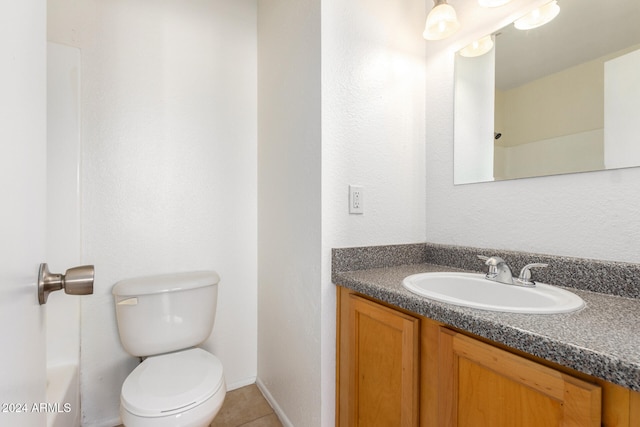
(482, 385)
(378, 365)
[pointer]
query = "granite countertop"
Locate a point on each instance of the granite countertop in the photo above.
(602, 339)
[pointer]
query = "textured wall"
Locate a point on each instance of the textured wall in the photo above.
(371, 110)
(373, 122)
(169, 168)
(289, 207)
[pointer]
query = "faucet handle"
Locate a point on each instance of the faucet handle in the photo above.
(492, 267)
(491, 261)
(525, 274)
(499, 271)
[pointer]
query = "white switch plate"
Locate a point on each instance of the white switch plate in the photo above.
(356, 199)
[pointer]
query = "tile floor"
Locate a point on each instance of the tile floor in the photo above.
(245, 407)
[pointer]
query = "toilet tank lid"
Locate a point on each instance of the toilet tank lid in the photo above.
(165, 283)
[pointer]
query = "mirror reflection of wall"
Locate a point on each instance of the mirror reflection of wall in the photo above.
(564, 101)
(473, 118)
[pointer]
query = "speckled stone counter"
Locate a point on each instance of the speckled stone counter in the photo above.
(602, 339)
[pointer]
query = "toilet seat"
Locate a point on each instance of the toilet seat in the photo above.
(172, 383)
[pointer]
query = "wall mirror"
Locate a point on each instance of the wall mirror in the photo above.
(561, 98)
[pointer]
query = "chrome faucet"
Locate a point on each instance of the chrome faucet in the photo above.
(499, 271)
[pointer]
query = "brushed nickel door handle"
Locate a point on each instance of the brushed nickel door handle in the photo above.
(75, 281)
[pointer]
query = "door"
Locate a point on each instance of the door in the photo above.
(378, 365)
(482, 385)
(22, 211)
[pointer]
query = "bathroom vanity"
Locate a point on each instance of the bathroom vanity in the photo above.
(405, 360)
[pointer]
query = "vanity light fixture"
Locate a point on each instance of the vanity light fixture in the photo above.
(442, 21)
(492, 3)
(478, 47)
(538, 16)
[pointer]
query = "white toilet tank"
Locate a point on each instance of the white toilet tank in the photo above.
(160, 314)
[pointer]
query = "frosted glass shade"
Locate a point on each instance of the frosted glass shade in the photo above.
(538, 17)
(441, 22)
(478, 47)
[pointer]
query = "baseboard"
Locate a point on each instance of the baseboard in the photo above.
(241, 383)
(276, 408)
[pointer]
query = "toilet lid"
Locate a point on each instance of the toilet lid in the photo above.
(171, 383)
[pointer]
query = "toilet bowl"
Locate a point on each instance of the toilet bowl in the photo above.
(162, 318)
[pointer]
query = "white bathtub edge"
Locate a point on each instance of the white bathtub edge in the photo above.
(62, 396)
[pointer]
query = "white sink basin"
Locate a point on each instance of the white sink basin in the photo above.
(473, 290)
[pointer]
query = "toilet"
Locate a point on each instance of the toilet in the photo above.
(162, 319)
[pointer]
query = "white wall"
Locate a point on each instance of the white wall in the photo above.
(63, 228)
(593, 215)
(169, 168)
(63, 199)
(289, 207)
(622, 105)
(474, 117)
(373, 121)
(365, 86)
